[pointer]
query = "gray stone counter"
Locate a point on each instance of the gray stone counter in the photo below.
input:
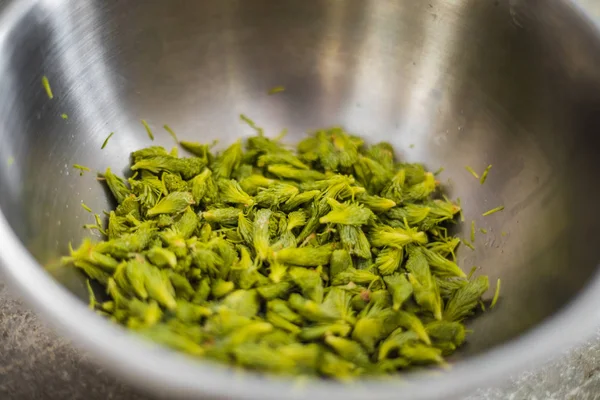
(37, 364)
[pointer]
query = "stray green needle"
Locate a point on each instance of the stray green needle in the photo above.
(496, 295)
(469, 245)
(472, 171)
(81, 169)
(493, 210)
(472, 272)
(460, 211)
(46, 85)
(171, 132)
(148, 130)
(251, 124)
(106, 140)
(276, 89)
(485, 174)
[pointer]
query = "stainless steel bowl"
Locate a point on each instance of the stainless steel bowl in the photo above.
(515, 84)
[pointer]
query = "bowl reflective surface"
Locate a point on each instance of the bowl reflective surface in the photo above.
(515, 84)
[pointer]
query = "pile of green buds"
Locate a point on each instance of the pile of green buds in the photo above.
(330, 259)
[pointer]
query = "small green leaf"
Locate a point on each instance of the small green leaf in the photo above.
(465, 300)
(174, 203)
(305, 256)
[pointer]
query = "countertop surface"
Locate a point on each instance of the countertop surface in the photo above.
(35, 363)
